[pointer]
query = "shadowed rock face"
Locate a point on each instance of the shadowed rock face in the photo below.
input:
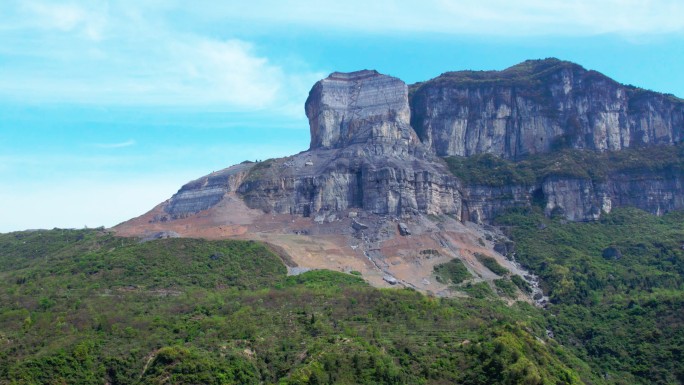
(579, 199)
(540, 106)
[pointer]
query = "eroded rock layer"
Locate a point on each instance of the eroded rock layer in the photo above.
(360, 107)
(578, 199)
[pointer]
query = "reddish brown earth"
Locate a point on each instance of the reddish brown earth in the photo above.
(378, 253)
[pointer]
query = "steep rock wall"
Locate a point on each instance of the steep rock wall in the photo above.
(360, 107)
(578, 199)
(364, 155)
(539, 106)
(377, 185)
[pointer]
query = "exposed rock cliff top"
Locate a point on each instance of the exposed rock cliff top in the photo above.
(527, 73)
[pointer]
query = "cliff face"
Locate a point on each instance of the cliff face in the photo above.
(365, 155)
(360, 107)
(583, 199)
(578, 199)
(537, 107)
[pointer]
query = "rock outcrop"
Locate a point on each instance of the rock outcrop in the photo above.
(364, 153)
(579, 199)
(540, 106)
(207, 191)
(360, 107)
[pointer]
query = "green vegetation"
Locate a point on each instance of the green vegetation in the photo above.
(85, 307)
(616, 287)
(477, 290)
(638, 95)
(521, 284)
(530, 73)
(489, 170)
(324, 279)
(491, 264)
(453, 272)
(505, 287)
(531, 78)
(257, 171)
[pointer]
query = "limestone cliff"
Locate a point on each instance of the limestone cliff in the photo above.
(579, 199)
(540, 106)
(361, 107)
(364, 154)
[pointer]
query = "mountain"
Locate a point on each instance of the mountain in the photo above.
(520, 264)
(349, 203)
(399, 179)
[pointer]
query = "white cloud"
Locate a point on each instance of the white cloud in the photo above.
(91, 52)
(88, 22)
(150, 52)
(211, 71)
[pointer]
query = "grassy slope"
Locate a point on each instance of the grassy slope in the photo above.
(82, 306)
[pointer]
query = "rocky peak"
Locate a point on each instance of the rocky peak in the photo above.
(362, 107)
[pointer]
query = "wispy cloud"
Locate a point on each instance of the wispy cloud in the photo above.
(150, 52)
(127, 143)
(102, 53)
(89, 21)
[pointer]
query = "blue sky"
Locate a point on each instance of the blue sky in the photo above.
(108, 107)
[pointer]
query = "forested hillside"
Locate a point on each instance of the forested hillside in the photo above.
(84, 307)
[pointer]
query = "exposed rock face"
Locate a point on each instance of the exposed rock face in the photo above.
(207, 191)
(360, 107)
(483, 203)
(364, 154)
(539, 106)
(579, 199)
(582, 199)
